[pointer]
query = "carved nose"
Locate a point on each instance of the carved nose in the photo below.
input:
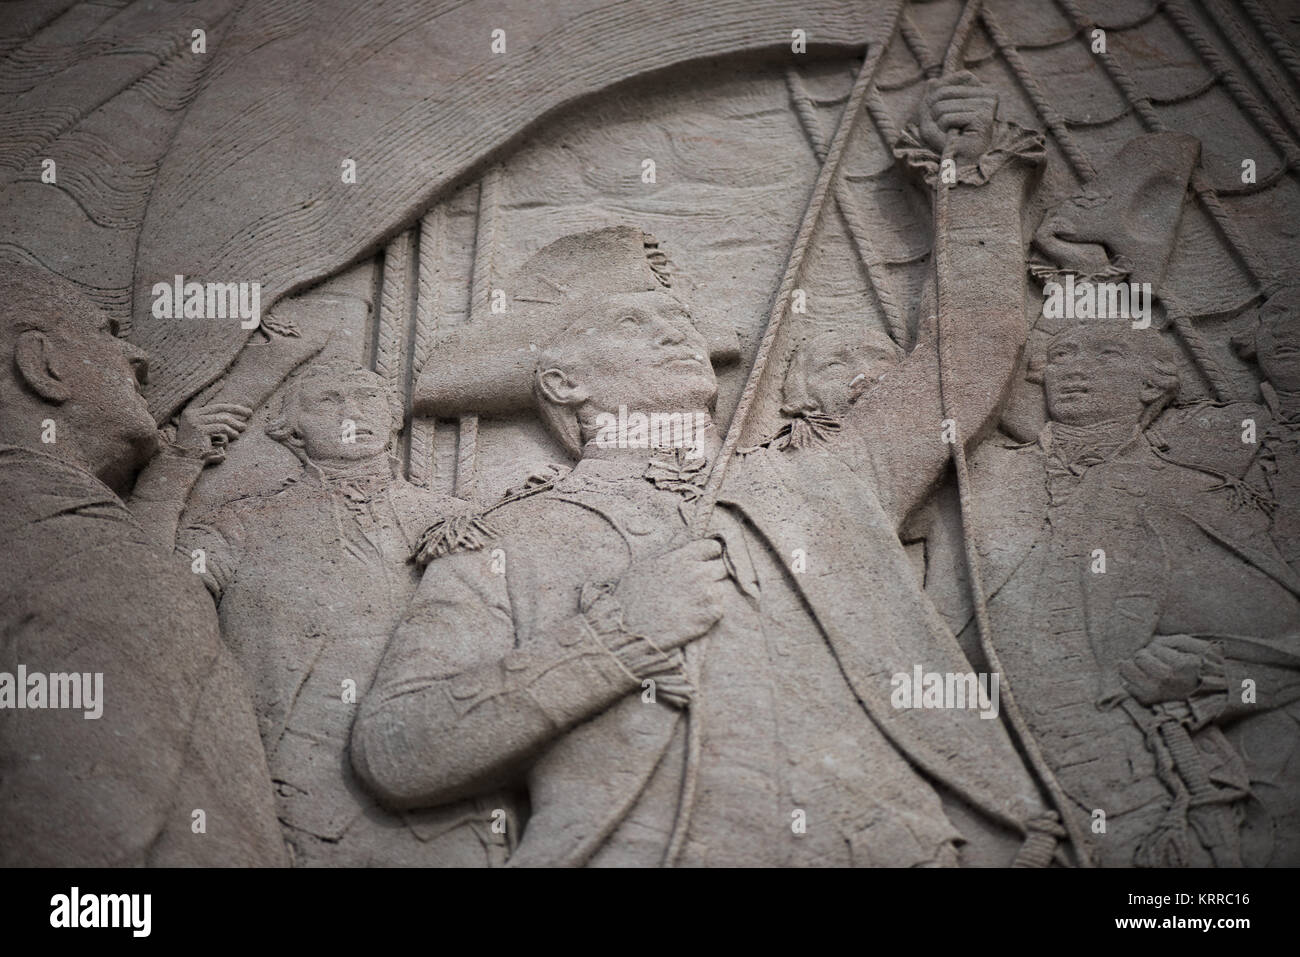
(140, 368)
(803, 407)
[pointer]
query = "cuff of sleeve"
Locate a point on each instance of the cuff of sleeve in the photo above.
(1010, 142)
(563, 692)
(636, 654)
(1211, 700)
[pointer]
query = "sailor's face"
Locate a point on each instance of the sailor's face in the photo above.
(1093, 376)
(343, 421)
(644, 352)
(830, 371)
(1277, 344)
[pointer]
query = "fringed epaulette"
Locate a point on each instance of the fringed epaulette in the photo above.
(472, 531)
(453, 534)
(281, 327)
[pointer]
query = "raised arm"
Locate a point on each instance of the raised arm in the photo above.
(899, 424)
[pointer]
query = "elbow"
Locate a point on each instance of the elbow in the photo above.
(385, 765)
(376, 775)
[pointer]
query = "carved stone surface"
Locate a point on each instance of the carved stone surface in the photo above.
(650, 434)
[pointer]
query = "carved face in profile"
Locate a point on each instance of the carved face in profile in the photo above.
(832, 368)
(69, 352)
(639, 350)
(336, 416)
(1277, 343)
(1103, 372)
(112, 375)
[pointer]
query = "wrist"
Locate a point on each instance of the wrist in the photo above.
(1008, 144)
(571, 674)
(174, 446)
(1209, 700)
(637, 655)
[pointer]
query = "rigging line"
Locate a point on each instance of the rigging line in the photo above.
(794, 266)
(872, 262)
(1272, 33)
(915, 41)
(1079, 162)
(1232, 80)
(1258, 67)
(880, 116)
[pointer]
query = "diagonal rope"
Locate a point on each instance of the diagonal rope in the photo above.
(872, 262)
(1232, 81)
(1079, 163)
(915, 41)
(1272, 33)
(1245, 48)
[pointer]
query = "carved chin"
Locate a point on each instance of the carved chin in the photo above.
(1071, 406)
(351, 453)
(146, 444)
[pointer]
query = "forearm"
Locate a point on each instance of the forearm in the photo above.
(962, 370)
(423, 740)
(161, 491)
(978, 169)
(982, 317)
(1252, 686)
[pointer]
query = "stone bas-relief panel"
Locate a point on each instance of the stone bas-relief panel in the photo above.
(804, 434)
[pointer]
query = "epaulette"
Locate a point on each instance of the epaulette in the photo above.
(472, 531)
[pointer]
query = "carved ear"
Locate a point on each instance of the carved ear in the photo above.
(1151, 393)
(560, 389)
(38, 368)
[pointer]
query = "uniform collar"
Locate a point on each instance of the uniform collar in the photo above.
(673, 469)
